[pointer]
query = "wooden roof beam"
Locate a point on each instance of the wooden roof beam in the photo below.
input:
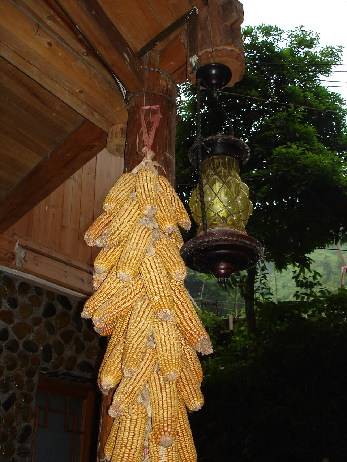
(103, 36)
(81, 146)
(31, 46)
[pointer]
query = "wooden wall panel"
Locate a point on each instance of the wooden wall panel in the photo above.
(52, 232)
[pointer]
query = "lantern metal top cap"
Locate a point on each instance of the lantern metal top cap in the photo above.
(214, 75)
(220, 145)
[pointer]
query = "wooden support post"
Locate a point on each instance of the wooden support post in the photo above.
(159, 89)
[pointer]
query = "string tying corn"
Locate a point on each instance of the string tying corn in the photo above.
(141, 302)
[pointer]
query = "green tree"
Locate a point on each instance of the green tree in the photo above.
(296, 131)
(280, 396)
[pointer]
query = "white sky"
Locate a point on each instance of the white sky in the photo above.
(329, 19)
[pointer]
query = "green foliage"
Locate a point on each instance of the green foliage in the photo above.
(280, 396)
(296, 131)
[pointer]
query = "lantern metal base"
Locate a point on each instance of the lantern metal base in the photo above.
(221, 251)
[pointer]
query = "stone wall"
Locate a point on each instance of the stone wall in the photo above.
(40, 332)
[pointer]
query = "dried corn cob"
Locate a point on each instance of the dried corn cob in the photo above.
(98, 279)
(176, 237)
(111, 371)
(131, 387)
(168, 348)
(123, 301)
(164, 409)
(131, 435)
(107, 259)
(186, 448)
(133, 253)
(189, 389)
(182, 217)
(165, 214)
(137, 336)
(122, 223)
(108, 289)
(189, 355)
(119, 192)
(107, 330)
(117, 334)
(111, 440)
(158, 453)
(188, 320)
(156, 283)
(97, 228)
(171, 258)
(146, 188)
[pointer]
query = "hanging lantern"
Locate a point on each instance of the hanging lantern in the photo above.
(220, 205)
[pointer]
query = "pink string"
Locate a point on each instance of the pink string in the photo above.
(148, 137)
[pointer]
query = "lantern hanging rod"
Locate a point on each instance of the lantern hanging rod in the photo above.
(199, 143)
(213, 77)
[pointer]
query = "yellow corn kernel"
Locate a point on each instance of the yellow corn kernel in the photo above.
(165, 214)
(111, 440)
(156, 282)
(168, 347)
(107, 259)
(108, 289)
(176, 237)
(189, 356)
(146, 188)
(189, 389)
(119, 304)
(159, 453)
(119, 192)
(133, 253)
(164, 409)
(130, 388)
(137, 336)
(188, 321)
(111, 371)
(182, 217)
(122, 223)
(185, 443)
(171, 258)
(131, 434)
(97, 228)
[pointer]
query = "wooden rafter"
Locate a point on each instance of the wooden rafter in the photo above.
(83, 144)
(104, 37)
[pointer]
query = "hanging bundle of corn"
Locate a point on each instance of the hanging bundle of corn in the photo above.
(141, 301)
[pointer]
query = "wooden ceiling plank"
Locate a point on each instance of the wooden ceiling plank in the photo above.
(55, 118)
(32, 48)
(137, 25)
(104, 37)
(173, 27)
(56, 21)
(84, 143)
(168, 11)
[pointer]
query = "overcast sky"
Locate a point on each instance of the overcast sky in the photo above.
(327, 18)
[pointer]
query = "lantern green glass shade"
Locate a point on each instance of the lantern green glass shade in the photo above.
(226, 196)
(225, 247)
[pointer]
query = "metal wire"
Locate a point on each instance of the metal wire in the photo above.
(199, 155)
